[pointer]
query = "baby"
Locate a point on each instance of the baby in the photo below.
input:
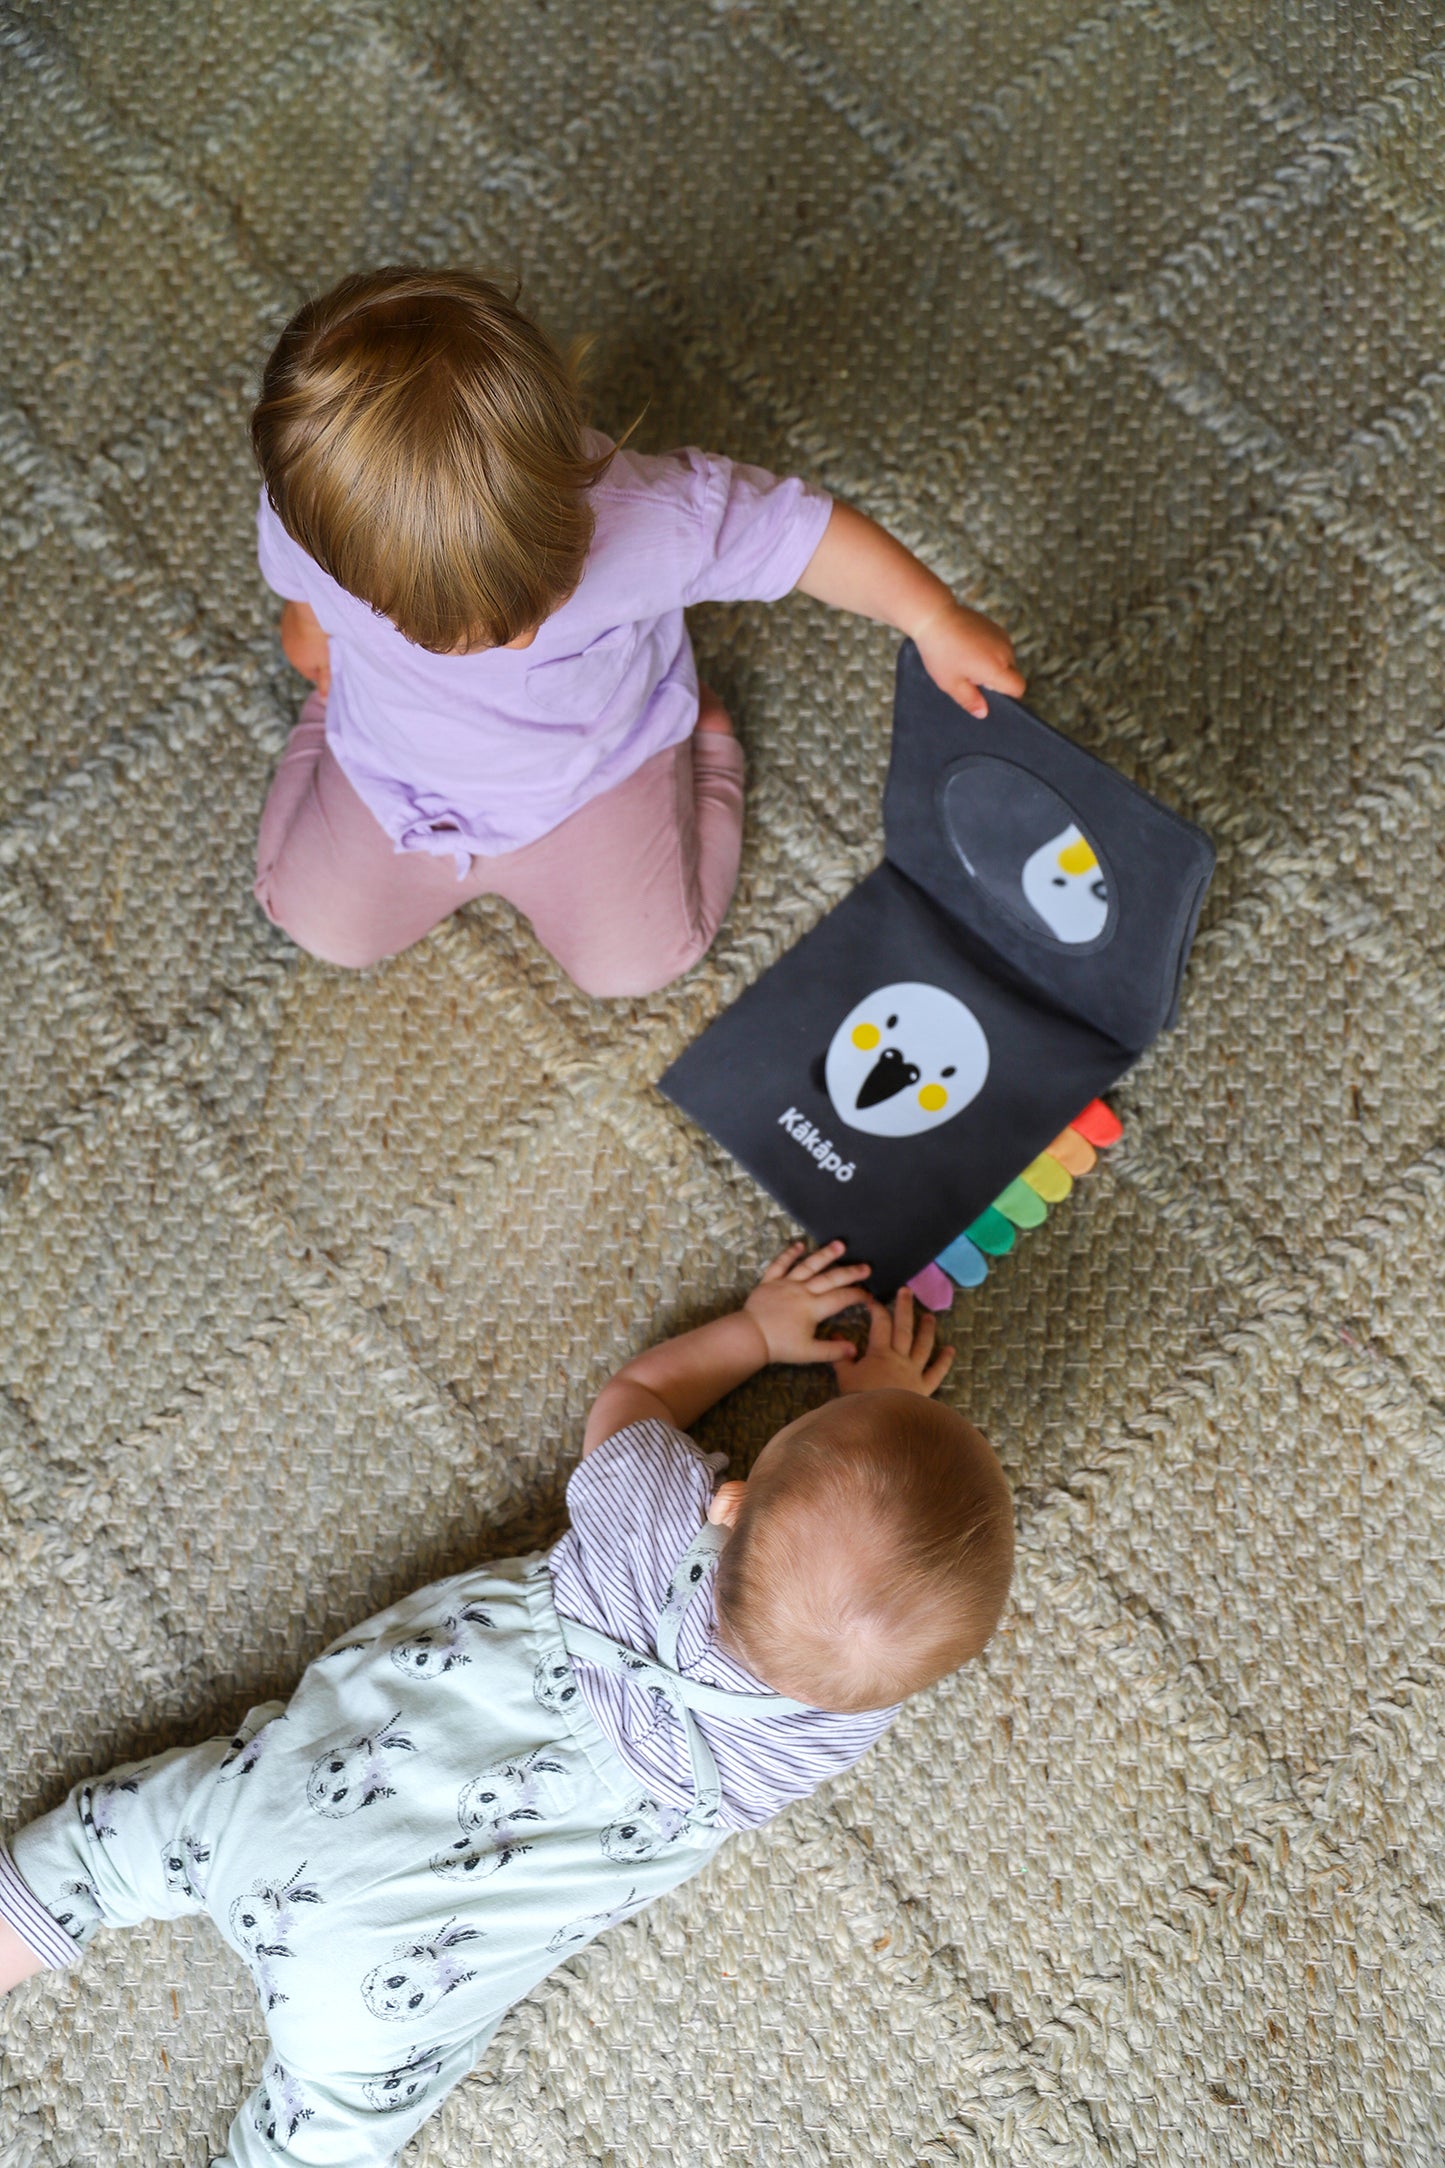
(475, 1783)
(488, 597)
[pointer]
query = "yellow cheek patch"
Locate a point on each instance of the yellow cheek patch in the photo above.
(932, 1097)
(866, 1037)
(1078, 858)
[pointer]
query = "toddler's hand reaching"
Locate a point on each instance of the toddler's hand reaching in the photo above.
(962, 651)
(794, 1297)
(899, 1354)
(305, 645)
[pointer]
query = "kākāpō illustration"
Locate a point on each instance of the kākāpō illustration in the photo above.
(441, 1648)
(644, 1831)
(101, 1804)
(904, 1059)
(346, 1778)
(576, 1932)
(279, 2108)
(1064, 883)
(399, 2087)
(261, 1922)
(183, 1864)
(418, 1974)
(554, 1683)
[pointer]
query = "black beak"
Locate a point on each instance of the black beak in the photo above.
(889, 1074)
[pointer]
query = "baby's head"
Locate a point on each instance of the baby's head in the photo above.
(423, 442)
(870, 1553)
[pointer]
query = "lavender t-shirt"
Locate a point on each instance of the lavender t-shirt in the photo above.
(476, 754)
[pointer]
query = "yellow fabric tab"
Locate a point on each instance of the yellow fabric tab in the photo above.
(1052, 1181)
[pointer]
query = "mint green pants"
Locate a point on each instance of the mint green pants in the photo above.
(429, 1825)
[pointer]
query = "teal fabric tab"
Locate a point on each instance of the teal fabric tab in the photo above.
(964, 1262)
(992, 1233)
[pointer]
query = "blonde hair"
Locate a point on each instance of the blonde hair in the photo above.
(422, 440)
(872, 1555)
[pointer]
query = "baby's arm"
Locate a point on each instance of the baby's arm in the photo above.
(305, 645)
(680, 1379)
(858, 566)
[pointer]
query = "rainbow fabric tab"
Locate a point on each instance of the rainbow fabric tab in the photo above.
(1052, 1181)
(1025, 1203)
(964, 1262)
(933, 1288)
(1098, 1125)
(992, 1233)
(1074, 1152)
(1021, 1204)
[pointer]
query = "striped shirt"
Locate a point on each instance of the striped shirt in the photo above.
(635, 1504)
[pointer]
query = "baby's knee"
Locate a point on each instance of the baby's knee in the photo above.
(320, 934)
(612, 978)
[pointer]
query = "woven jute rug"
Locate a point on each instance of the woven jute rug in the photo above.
(1129, 317)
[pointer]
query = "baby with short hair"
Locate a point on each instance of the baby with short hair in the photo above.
(488, 597)
(478, 1781)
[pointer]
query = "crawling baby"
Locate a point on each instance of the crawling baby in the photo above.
(470, 1786)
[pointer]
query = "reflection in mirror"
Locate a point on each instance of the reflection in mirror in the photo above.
(1020, 842)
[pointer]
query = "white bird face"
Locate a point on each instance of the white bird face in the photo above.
(1064, 885)
(906, 1059)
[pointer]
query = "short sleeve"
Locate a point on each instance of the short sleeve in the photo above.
(285, 566)
(758, 531)
(634, 1503)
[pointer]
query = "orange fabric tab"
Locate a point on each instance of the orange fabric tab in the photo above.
(1074, 1152)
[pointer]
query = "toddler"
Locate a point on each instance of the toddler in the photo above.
(488, 598)
(481, 1779)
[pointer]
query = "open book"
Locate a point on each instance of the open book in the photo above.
(1020, 945)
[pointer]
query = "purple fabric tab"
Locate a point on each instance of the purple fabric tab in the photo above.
(933, 1288)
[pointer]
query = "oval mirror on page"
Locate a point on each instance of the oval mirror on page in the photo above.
(1020, 842)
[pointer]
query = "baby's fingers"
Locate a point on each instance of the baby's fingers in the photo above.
(823, 1283)
(903, 1321)
(937, 1370)
(968, 696)
(807, 1268)
(783, 1262)
(923, 1338)
(880, 1326)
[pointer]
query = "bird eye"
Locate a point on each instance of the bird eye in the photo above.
(948, 1071)
(398, 1979)
(415, 2003)
(892, 1023)
(1059, 881)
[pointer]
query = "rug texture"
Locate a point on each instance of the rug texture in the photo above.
(1129, 318)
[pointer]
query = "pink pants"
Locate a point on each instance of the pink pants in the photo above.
(627, 892)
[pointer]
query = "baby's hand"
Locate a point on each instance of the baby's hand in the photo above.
(898, 1352)
(796, 1294)
(305, 646)
(962, 651)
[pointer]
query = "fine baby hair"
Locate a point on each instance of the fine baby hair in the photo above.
(422, 440)
(871, 1555)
